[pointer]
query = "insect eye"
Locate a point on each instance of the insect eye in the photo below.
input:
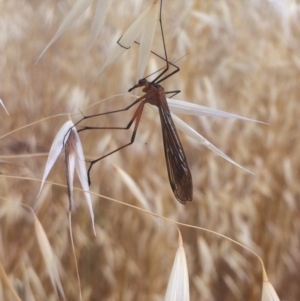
(142, 81)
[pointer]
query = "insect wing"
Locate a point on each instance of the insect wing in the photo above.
(178, 170)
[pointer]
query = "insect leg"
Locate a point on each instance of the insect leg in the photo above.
(136, 118)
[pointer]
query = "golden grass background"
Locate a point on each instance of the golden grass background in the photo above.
(241, 57)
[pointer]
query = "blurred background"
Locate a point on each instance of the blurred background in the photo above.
(238, 56)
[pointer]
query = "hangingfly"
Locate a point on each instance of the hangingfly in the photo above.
(178, 170)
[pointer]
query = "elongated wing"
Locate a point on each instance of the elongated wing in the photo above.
(178, 170)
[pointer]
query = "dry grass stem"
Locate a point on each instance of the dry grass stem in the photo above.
(2, 104)
(7, 283)
(49, 257)
(78, 9)
(74, 255)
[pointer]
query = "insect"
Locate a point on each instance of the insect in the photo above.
(178, 170)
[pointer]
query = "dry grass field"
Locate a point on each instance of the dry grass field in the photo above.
(237, 56)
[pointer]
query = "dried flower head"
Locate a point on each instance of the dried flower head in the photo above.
(68, 138)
